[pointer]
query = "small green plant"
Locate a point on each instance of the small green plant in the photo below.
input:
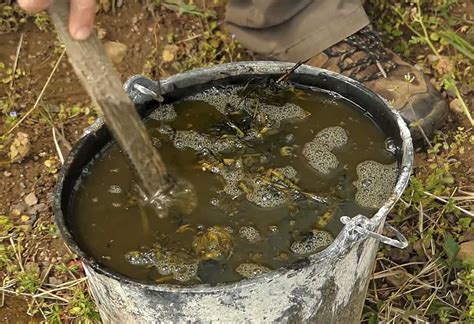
(82, 307)
(28, 281)
(466, 280)
(7, 74)
(215, 46)
(11, 18)
(41, 21)
(53, 314)
(5, 225)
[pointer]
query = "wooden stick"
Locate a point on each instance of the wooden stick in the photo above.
(102, 83)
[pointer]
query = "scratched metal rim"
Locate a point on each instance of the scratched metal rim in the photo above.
(342, 242)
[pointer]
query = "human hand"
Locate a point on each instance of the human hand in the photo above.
(81, 14)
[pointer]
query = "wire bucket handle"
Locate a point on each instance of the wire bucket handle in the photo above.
(358, 227)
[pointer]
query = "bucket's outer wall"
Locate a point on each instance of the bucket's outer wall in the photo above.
(331, 291)
(329, 287)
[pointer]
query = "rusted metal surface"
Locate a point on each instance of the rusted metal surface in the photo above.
(327, 287)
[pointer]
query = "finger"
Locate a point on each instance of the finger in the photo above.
(34, 6)
(81, 18)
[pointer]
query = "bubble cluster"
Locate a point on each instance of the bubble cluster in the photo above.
(288, 172)
(249, 233)
(320, 158)
(226, 144)
(164, 113)
(260, 192)
(332, 137)
(227, 99)
(316, 241)
(265, 196)
(191, 139)
(288, 111)
(140, 259)
(232, 177)
(181, 265)
(114, 189)
(375, 183)
(251, 270)
(219, 98)
(318, 151)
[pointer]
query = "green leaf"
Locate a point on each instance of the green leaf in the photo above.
(397, 33)
(434, 36)
(465, 222)
(458, 42)
(451, 248)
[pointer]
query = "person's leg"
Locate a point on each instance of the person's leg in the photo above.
(334, 35)
(293, 30)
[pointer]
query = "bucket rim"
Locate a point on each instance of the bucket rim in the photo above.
(343, 240)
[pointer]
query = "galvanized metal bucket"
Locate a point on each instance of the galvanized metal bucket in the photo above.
(327, 287)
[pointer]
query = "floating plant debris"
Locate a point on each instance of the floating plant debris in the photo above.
(274, 170)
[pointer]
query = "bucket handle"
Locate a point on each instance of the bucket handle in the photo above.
(360, 224)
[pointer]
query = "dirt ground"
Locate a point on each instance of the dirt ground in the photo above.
(33, 258)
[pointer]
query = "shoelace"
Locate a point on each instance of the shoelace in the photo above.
(367, 41)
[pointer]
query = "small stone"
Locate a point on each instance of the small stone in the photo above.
(20, 147)
(55, 281)
(456, 106)
(169, 53)
(101, 32)
(466, 251)
(31, 199)
(115, 51)
(32, 267)
(7, 174)
(397, 278)
(41, 207)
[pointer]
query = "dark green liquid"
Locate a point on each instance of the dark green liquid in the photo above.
(108, 224)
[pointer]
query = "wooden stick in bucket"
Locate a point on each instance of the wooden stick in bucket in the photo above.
(102, 83)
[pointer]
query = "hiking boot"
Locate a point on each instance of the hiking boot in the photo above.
(363, 57)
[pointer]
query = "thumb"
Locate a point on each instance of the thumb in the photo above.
(81, 18)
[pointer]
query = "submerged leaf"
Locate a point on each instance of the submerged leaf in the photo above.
(215, 243)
